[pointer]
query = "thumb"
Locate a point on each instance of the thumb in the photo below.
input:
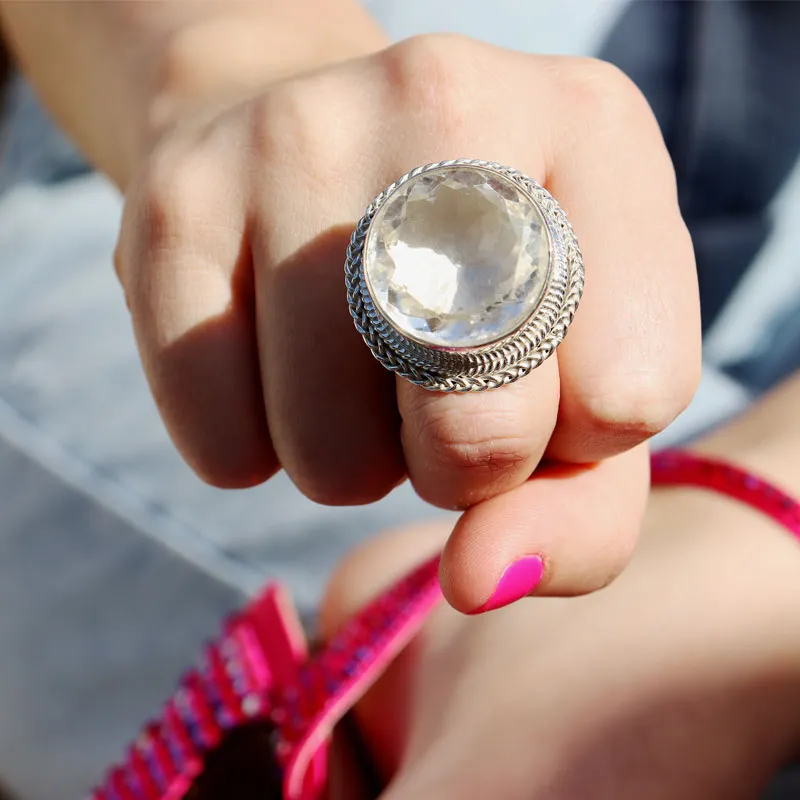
(568, 530)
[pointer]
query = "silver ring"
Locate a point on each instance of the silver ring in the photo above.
(463, 275)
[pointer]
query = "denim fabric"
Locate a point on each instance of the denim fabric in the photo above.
(722, 79)
(115, 561)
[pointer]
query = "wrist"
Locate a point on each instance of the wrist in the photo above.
(218, 60)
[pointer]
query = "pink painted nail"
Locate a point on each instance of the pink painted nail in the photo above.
(518, 580)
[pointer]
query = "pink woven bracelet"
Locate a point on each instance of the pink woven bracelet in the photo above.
(680, 468)
(260, 670)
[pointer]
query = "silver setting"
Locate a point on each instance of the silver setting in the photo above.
(500, 362)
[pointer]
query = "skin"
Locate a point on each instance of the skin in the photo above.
(680, 681)
(249, 137)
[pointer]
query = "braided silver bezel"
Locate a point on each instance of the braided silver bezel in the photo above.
(492, 365)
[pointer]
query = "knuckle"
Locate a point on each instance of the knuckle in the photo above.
(177, 185)
(604, 93)
(648, 404)
(285, 122)
(293, 129)
(487, 443)
(425, 76)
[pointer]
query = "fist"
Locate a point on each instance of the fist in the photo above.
(231, 255)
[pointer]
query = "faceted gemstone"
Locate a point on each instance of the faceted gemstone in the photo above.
(457, 257)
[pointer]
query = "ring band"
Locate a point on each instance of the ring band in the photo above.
(463, 275)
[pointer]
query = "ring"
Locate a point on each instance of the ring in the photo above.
(463, 275)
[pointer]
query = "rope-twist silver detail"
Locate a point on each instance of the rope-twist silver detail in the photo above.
(496, 364)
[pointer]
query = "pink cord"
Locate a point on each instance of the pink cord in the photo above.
(259, 668)
(680, 468)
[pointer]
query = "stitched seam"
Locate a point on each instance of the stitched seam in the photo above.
(105, 488)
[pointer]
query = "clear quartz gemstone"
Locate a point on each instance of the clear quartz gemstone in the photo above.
(457, 257)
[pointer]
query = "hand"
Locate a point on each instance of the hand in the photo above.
(231, 253)
(680, 681)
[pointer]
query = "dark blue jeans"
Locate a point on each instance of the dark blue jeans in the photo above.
(724, 81)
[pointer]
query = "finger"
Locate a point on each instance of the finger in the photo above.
(568, 530)
(631, 360)
(331, 407)
(462, 449)
(187, 279)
